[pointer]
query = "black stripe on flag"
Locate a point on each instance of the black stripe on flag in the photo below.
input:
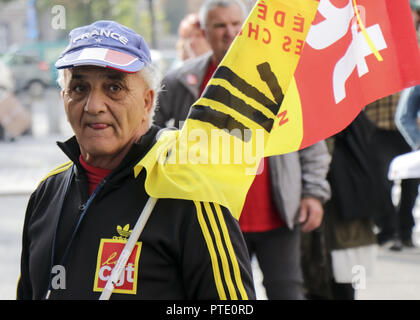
(268, 76)
(220, 120)
(250, 91)
(222, 95)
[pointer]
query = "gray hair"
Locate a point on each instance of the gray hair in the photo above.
(211, 4)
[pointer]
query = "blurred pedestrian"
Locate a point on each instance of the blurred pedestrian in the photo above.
(221, 21)
(395, 222)
(346, 239)
(15, 119)
(407, 116)
(192, 41)
(285, 199)
(79, 217)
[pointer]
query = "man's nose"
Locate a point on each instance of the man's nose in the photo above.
(96, 102)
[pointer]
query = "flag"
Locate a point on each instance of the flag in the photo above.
(340, 72)
(280, 88)
(216, 154)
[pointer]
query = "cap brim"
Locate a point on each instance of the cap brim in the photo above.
(100, 57)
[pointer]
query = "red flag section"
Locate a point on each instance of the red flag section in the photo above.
(338, 74)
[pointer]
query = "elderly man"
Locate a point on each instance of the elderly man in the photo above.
(82, 213)
(221, 21)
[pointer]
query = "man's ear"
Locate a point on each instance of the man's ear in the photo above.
(149, 97)
(63, 98)
(66, 73)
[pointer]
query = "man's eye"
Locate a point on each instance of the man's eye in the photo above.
(114, 88)
(78, 88)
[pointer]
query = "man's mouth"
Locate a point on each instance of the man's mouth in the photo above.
(98, 126)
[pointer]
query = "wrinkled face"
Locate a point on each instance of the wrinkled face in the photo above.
(223, 24)
(108, 110)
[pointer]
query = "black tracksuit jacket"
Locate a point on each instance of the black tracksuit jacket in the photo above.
(188, 250)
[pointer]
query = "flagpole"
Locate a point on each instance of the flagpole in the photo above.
(128, 248)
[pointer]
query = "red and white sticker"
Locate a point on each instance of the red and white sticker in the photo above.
(108, 254)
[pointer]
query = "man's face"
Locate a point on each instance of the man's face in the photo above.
(196, 43)
(223, 24)
(107, 109)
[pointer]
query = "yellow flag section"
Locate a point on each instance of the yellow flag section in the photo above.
(215, 156)
(287, 133)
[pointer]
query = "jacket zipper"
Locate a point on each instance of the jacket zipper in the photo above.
(84, 208)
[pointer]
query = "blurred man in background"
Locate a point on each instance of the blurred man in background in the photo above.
(192, 41)
(221, 21)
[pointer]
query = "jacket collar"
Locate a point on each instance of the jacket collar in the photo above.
(139, 149)
(192, 73)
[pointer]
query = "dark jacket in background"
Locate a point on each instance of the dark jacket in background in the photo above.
(180, 89)
(351, 176)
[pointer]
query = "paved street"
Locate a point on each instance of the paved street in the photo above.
(12, 211)
(24, 162)
(396, 275)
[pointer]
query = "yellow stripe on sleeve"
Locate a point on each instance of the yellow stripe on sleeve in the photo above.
(59, 169)
(221, 250)
(232, 254)
(212, 252)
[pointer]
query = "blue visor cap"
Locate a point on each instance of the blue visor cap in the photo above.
(106, 44)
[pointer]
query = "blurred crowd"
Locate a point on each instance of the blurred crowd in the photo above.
(334, 220)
